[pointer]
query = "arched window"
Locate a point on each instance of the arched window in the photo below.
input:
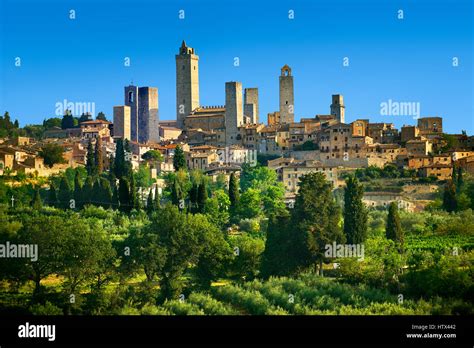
(130, 97)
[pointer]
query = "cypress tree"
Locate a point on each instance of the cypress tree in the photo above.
(78, 191)
(115, 198)
(88, 191)
(157, 199)
(64, 195)
(193, 197)
(99, 167)
(393, 228)
(119, 159)
(355, 212)
(106, 194)
(124, 195)
(37, 203)
(315, 222)
(202, 197)
(90, 159)
(134, 201)
(234, 195)
(450, 202)
(460, 181)
(176, 194)
(52, 196)
(179, 162)
(98, 199)
(150, 206)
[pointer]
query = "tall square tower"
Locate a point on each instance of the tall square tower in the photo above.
(148, 128)
(122, 121)
(234, 115)
(287, 101)
(251, 104)
(131, 100)
(187, 83)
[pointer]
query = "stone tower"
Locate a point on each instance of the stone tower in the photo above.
(187, 83)
(287, 102)
(131, 100)
(337, 107)
(234, 115)
(251, 104)
(148, 128)
(122, 122)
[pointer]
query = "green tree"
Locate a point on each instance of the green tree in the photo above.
(105, 193)
(134, 199)
(217, 209)
(275, 261)
(101, 116)
(249, 205)
(179, 234)
(201, 197)
(393, 230)
(234, 194)
(247, 256)
(449, 197)
(215, 254)
(153, 156)
(50, 123)
(98, 156)
(68, 120)
(315, 219)
(90, 160)
(124, 195)
(52, 196)
(150, 206)
(179, 162)
(355, 212)
(88, 194)
(37, 203)
(52, 154)
(78, 191)
(64, 195)
(122, 167)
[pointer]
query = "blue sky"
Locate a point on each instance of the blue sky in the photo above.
(82, 60)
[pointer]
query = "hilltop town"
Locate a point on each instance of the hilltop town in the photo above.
(218, 140)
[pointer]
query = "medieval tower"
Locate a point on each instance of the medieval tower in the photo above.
(234, 115)
(251, 104)
(287, 102)
(337, 107)
(131, 100)
(148, 128)
(187, 83)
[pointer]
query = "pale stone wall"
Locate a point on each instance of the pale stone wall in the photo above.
(233, 111)
(251, 104)
(122, 122)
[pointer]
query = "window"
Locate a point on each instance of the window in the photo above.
(130, 97)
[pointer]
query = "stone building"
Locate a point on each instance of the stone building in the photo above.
(122, 122)
(187, 83)
(143, 103)
(148, 128)
(287, 101)
(251, 104)
(234, 114)
(338, 108)
(430, 125)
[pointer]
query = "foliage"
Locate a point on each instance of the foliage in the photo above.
(52, 154)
